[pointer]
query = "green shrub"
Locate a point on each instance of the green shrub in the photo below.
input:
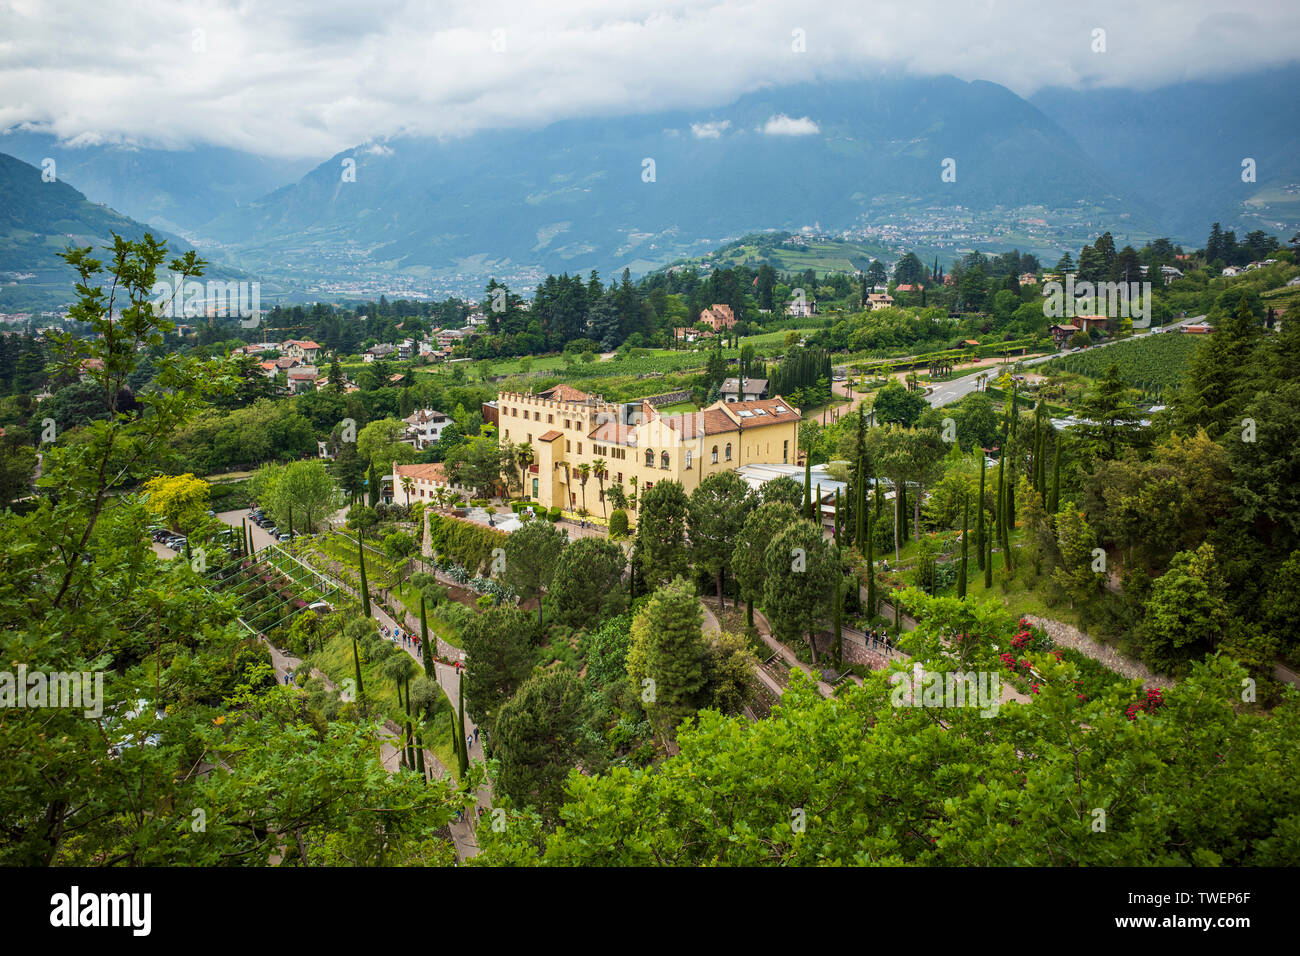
(468, 544)
(553, 514)
(618, 523)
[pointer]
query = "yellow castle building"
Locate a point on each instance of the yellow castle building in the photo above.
(567, 428)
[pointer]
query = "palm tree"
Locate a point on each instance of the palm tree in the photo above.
(600, 469)
(631, 498)
(524, 457)
(401, 669)
(408, 486)
(584, 472)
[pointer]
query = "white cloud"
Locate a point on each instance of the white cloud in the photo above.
(711, 130)
(782, 125)
(309, 78)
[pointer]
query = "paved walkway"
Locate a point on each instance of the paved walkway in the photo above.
(448, 678)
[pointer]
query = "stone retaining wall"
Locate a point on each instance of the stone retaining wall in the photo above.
(1066, 635)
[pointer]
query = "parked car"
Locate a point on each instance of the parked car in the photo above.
(286, 537)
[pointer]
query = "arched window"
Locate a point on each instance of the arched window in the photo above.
(728, 451)
(663, 461)
(715, 454)
(649, 457)
(688, 458)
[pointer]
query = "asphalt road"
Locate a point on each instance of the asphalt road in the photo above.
(945, 393)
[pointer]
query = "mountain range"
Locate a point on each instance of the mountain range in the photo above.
(937, 165)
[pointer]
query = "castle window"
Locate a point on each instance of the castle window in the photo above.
(715, 454)
(663, 461)
(728, 451)
(649, 457)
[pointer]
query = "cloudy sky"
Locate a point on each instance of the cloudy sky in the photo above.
(306, 78)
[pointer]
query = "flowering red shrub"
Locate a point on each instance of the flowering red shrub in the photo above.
(1154, 701)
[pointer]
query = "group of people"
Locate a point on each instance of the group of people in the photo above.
(879, 639)
(399, 636)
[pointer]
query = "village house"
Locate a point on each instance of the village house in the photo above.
(1028, 278)
(718, 317)
(425, 482)
(303, 379)
(303, 349)
(566, 428)
(87, 366)
(799, 308)
(379, 352)
(425, 426)
(755, 389)
(1090, 322)
(1061, 333)
(879, 300)
(449, 338)
(685, 334)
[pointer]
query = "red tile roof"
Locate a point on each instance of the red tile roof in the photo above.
(551, 435)
(434, 472)
(614, 434)
(710, 421)
(774, 409)
(564, 393)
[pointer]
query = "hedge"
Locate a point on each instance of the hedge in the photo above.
(468, 544)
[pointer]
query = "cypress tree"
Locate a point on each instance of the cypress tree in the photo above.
(1011, 496)
(365, 590)
(860, 497)
(901, 498)
(243, 535)
(1006, 537)
(807, 486)
(462, 751)
(860, 510)
(372, 484)
(979, 521)
(817, 507)
(871, 570)
(1000, 512)
(426, 652)
(1053, 503)
(356, 662)
(291, 522)
(965, 542)
(837, 610)
(988, 563)
(837, 517)
(1033, 467)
